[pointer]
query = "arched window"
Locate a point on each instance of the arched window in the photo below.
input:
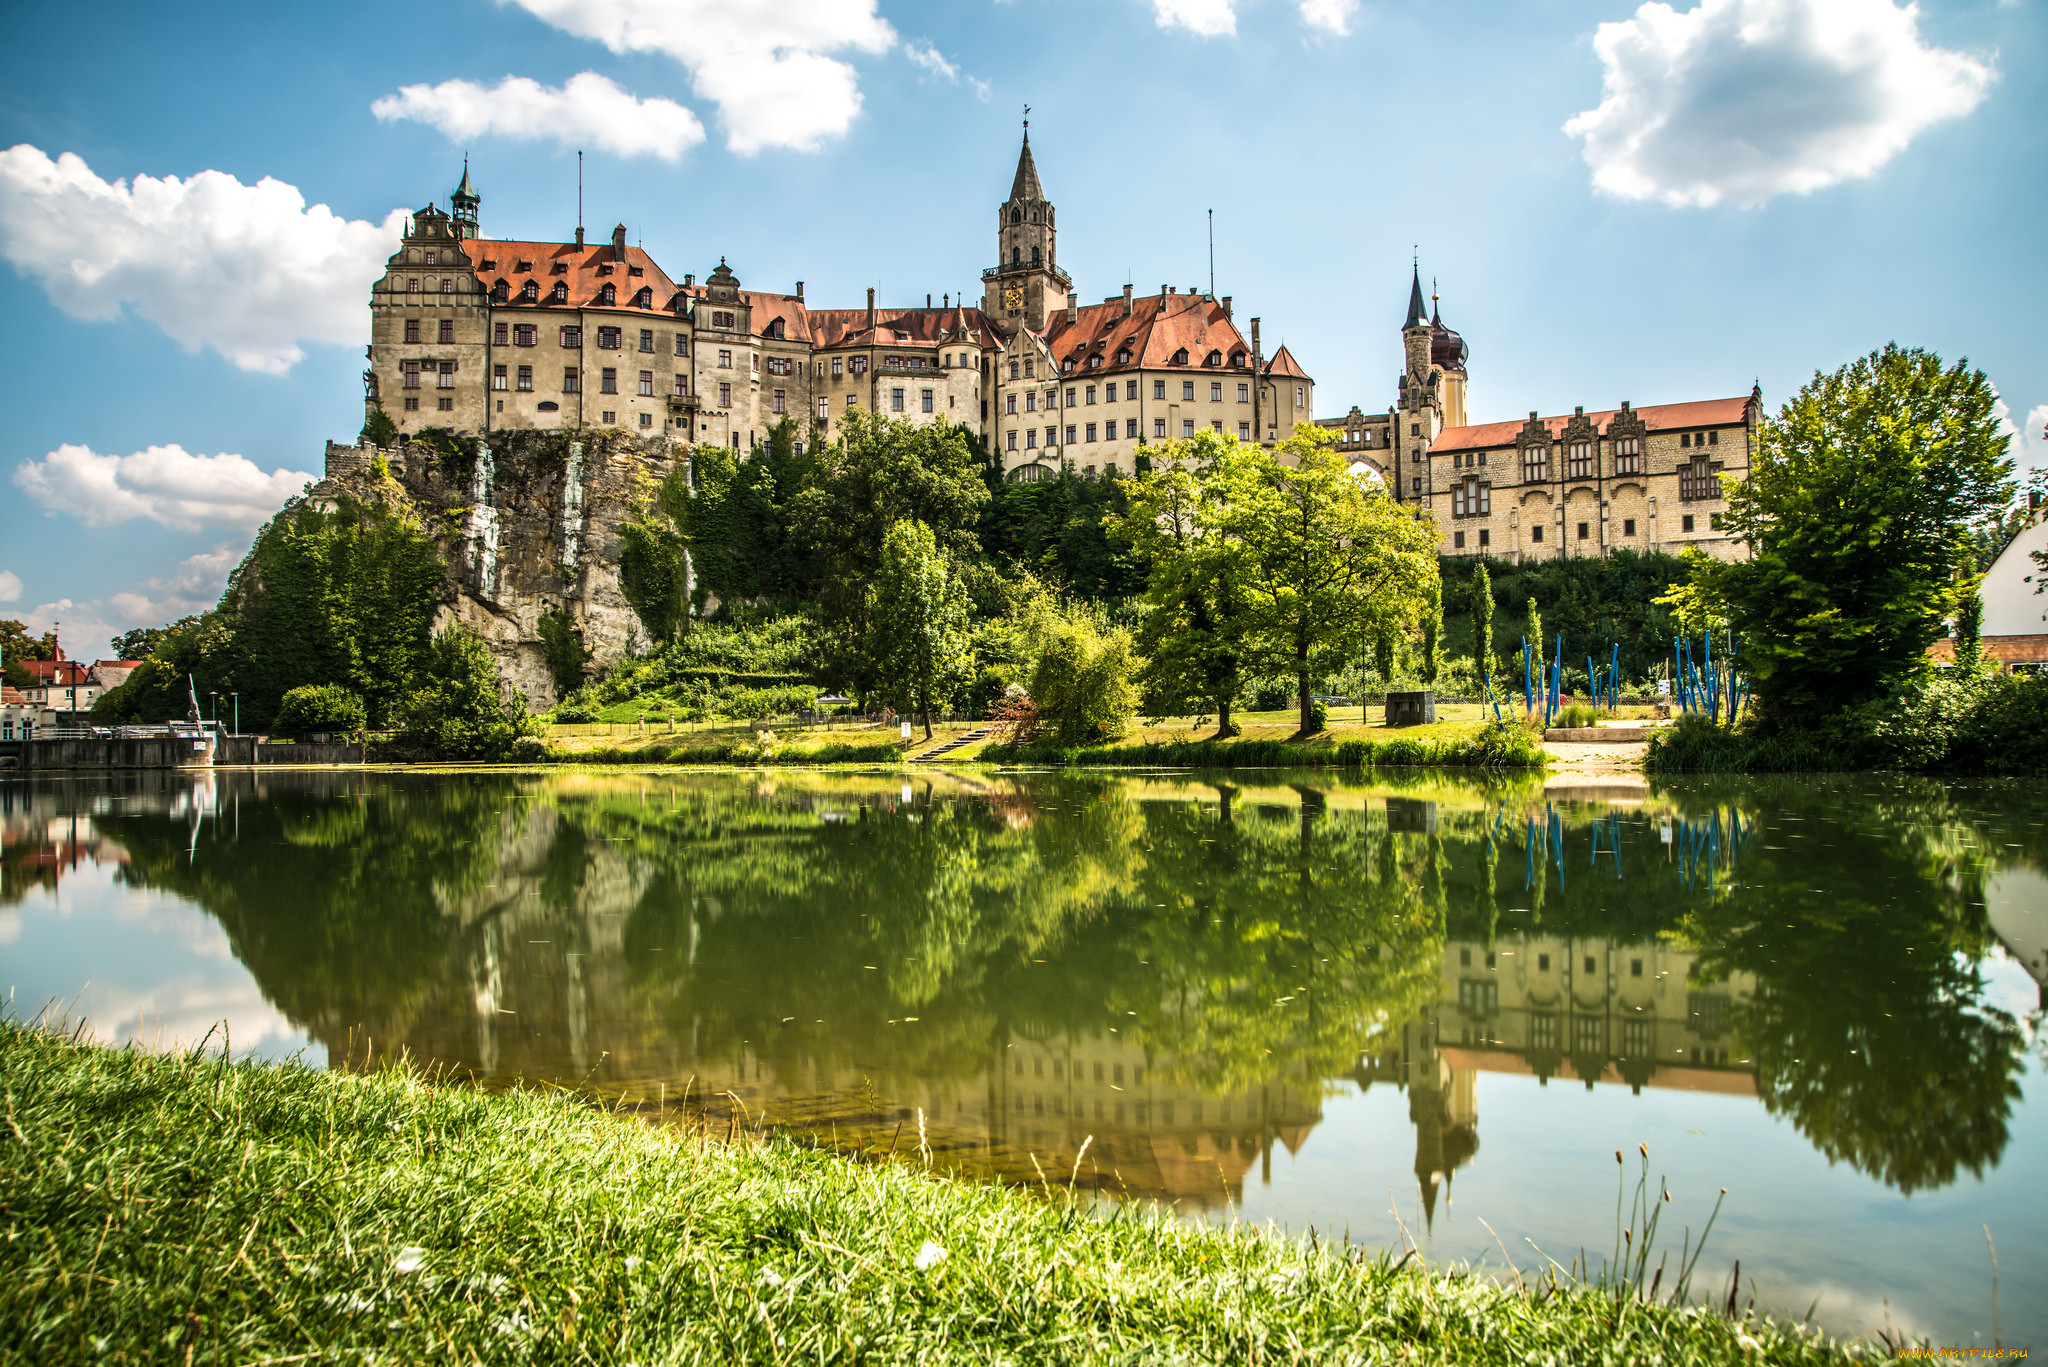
(1016, 256)
(1016, 215)
(1034, 256)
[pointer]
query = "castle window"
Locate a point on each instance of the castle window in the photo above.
(1016, 256)
(1536, 534)
(1070, 398)
(529, 292)
(1029, 369)
(1581, 461)
(559, 268)
(647, 384)
(1685, 523)
(1095, 363)
(1216, 426)
(1090, 396)
(1244, 431)
(647, 339)
(526, 379)
(501, 291)
(1091, 431)
(1244, 395)
(775, 328)
(824, 410)
(1131, 391)
(1713, 438)
(447, 284)
(1187, 391)
(446, 335)
(1011, 403)
(778, 365)
(682, 388)
(779, 402)
(561, 292)
(445, 405)
(1685, 439)
(570, 383)
(1031, 401)
(611, 339)
(927, 399)
(432, 257)
(1583, 531)
(1034, 256)
(1159, 428)
(412, 287)
(1187, 429)
(1628, 526)
(604, 270)
(1216, 391)
(412, 330)
(1457, 541)
(725, 395)
(1237, 360)
(608, 381)
(1010, 440)
(1031, 439)
(1067, 366)
(446, 379)
(609, 295)
(1696, 481)
(1535, 463)
(499, 377)
(682, 346)
(572, 337)
(1485, 538)
(724, 359)
(501, 334)
(525, 334)
(1070, 434)
(1181, 357)
(1628, 456)
(895, 401)
(1124, 357)
(1301, 396)
(860, 365)
(1014, 368)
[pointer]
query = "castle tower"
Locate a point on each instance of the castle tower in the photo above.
(1026, 284)
(1448, 353)
(1422, 379)
(463, 204)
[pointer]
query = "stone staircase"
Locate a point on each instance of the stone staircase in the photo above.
(979, 733)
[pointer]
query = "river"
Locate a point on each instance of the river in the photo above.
(1396, 1008)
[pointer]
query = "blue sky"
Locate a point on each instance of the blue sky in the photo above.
(1652, 205)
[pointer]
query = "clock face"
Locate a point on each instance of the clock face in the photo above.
(1013, 297)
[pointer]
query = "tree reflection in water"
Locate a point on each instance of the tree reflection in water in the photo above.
(1181, 969)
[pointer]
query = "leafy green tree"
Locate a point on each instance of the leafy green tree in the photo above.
(1856, 513)
(1328, 561)
(880, 472)
(1082, 683)
(142, 642)
(1535, 633)
(736, 518)
(1970, 629)
(16, 645)
(1433, 637)
(1482, 627)
(1060, 529)
(1192, 635)
(919, 611)
(310, 709)
(562, 641)
(654, 572)
(459, 710)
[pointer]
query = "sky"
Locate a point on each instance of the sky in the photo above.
(1651, 203)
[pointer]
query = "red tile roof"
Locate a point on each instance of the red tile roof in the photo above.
(55, 673)
(581, 272)
(899, 327)
(1665, 417)
(11, 698)
(1159, 327)
(1284, 364)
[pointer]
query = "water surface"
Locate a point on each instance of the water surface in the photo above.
(1384, 1008)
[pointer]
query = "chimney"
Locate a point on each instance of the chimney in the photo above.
(690, 280)
(619, 243)
(1166, 289)
(799, 291)
(1255, 340)
(927, 298)
(579, 234)
(871, 305)
(1226, 306)
(1127, 301)
(1073, 306)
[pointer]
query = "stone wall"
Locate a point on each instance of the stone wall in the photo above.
(527, 523)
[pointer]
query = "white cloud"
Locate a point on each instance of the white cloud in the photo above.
(248, 270)
(2029, 449)
(193, 587)
(1333, 16)
(932, 60)
(1741, 100)
(589, 110)
(166, 484)
(762, 62)
(10, 586)
(1210, 18)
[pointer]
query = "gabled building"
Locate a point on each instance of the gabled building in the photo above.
(1644, 479)
(478, 335)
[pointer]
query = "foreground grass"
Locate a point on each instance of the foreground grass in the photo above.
(171, 1208)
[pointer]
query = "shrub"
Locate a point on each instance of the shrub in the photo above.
(458, 710)
(316, 708)
(1082, 684)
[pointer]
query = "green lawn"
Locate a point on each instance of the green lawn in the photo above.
(176, 1209)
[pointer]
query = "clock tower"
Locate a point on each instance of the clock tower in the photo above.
(1026, 284)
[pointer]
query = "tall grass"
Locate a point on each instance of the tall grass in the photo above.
(177, 1208)
(1491, 748)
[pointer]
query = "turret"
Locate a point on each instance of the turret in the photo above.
(462, 205)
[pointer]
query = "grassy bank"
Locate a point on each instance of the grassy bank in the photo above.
(733, 752)
(171, 1208)
(1484, 748)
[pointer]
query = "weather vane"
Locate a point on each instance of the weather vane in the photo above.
(1027, 119)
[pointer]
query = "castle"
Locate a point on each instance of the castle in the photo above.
(1641, 479)
(481, 334)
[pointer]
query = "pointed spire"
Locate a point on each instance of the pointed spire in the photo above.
(1418, 311)
(465, 189)
(1026, 185)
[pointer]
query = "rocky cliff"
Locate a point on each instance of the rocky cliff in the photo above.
(527, 523)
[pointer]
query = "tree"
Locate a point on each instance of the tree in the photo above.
(1081, 681)
(458, 709)
(562, 642)
(143, 642)
(1857, 512)
(313, 708)
(880, 472)
(735, 517)
(654, 565)
(1535, 640)
(1433, 636)
(16, 645)
(1193, 633)
(1482, 627)
(378, 429)
(1328, 561)
(919, 614)
(1970, 629)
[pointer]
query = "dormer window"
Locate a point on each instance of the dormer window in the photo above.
(559, 268)
(1237, 360)
(645, 298)
(775, 329)
(1124, 357)
(1180, 357)
(531, 293)
(608, 295)
(522, 268)
(604, 270)
(1067, 366)
(1213, 358)
(561, 293)
(487, 265)
(498, 292)
(1095, 363)
(635, 270)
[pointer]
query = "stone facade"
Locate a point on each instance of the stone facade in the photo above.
(482, 336)
(1643, 479)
